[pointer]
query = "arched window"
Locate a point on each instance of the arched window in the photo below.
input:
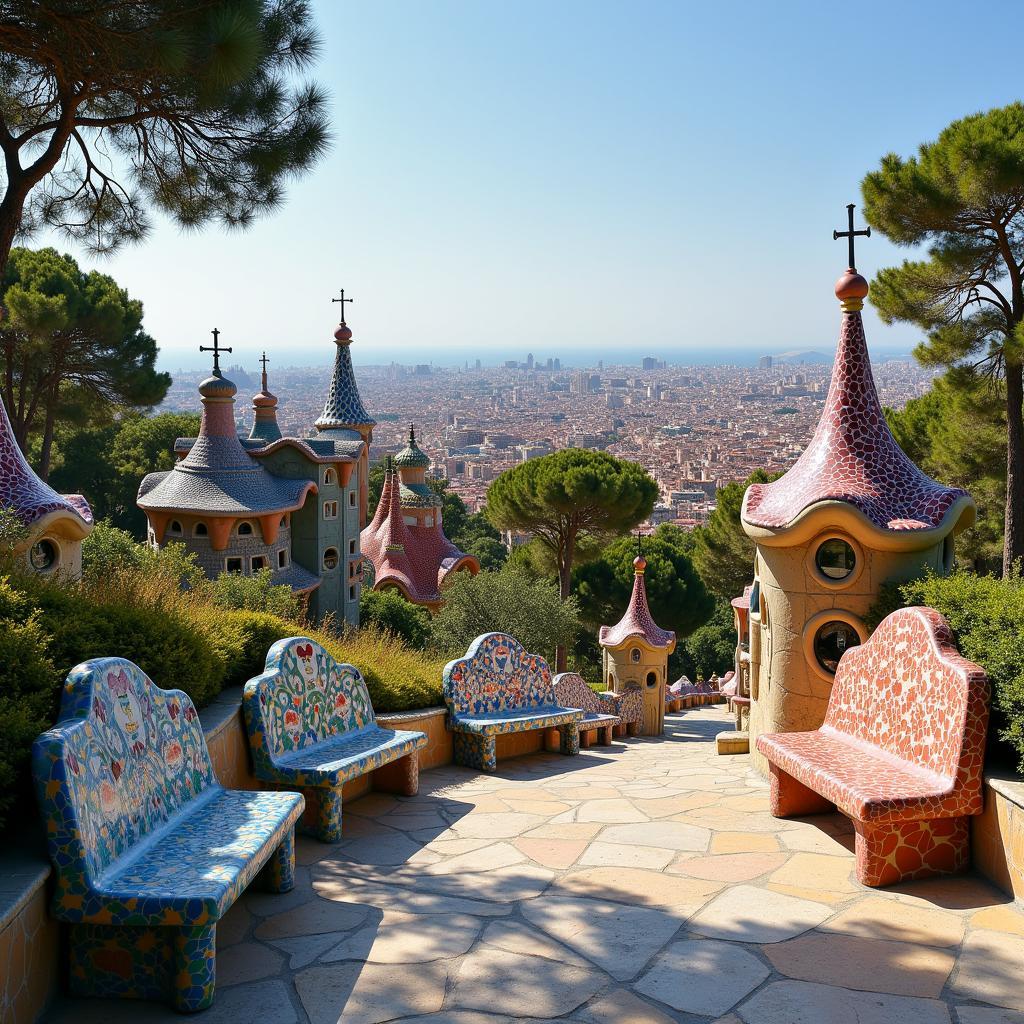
(245, 529)
(200, 530)
(652, 680)
(175, 528)
(634, 655)
(284, 520)
(330, 477)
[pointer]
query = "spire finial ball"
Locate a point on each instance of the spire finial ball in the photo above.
(342, 333)
(639, 564)
(851, 290)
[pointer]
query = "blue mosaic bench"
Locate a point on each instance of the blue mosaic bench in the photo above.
(149, 849)
(571, 690)
(312, 727)
(498, 688)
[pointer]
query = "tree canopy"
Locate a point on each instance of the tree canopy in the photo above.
(195, 109)
(722, 552)
(73, 347)
(963, 197)
(675, 593)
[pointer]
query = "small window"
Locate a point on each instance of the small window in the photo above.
(330, 510)
(282, 558)
(352, 593)
(611, 681)
(835, 559)
(352, 546)
(200, 530)
(245, 529)
(652, 680)
(330, 477)
(232, 565)
(352, 499)
(44, 556)
(331, 558)
(284, 520)
(257, 562)
(175, 528)
(832, 641)
(634, 655)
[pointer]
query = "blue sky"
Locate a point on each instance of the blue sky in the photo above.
(578, 179)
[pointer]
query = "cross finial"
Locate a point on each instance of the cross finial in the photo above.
(264, 360)
(850, 234)
(342, 300)
(412, 434)
(216, 349)
(639, 544)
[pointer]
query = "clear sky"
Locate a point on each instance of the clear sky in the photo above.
(579, 178)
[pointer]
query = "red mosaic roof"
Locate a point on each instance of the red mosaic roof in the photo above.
(852, 456)
(416, 559)
(637, 623)
(25, 494)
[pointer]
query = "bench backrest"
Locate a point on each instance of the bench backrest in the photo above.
(123, 757)
(571, 691)
(497, 675)
(303, 697)
(908, 691)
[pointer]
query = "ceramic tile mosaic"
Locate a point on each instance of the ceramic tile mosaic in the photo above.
(629, 706)
(148, 848)
(572, 691)
(499, 688)
(344, 407)
(311, 726)
(901, 750)
(637, 623)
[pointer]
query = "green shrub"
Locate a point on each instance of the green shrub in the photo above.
(388, 610)
(987, 617)
(256, 593)
(242, 639)
(709, 649)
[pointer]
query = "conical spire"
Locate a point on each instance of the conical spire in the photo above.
(264, 403)
(344, 408)
(637, 623)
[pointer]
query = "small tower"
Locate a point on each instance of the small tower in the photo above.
(852, 514)
(636, 652)
(264, 404)
(54, 524)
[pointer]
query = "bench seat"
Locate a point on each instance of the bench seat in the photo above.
(312, 727)
(198, 862)
(571, 689)
(863, 782)
(500, 722)
(901, 751)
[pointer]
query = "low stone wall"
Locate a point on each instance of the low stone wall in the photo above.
(997, 835)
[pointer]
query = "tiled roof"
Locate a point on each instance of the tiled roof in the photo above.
(637, 623)
(25, 494)
(343, 407)
(330, 446)
(300, 580)
(853, 457)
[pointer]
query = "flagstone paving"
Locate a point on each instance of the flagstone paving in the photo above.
(642, 884)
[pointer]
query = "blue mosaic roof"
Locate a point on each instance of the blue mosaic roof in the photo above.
(344, 407)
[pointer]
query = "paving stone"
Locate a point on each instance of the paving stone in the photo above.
(672, 835)
(621, 1007)
(952, 892)
(408, 939)
(385, 849)
(663, 806)
(575, 830)
(637, 887)
(505, 885)
(813, 839)
(988, 1015)
(799, 1002)
(816, 871)
(551, 853)
(876, 917)
(743, 842)
(1000, 919)
(496, 855)
(702, 976)
(313, 916)
(627, 856)
(746, 913)
(535, 986)
(728, 867)
(876, 965)
(304, 949)
(247, 962)
(496, 825)
(357, 993)
(989, 969)
(517, 937)
(618, 939)
(406, 900)
(608, 811)
(234, 925)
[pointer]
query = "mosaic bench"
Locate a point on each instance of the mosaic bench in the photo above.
(629, 706)
(572, 691)
(498, 688)
(311, 727)
(900, 751)
(149, 850)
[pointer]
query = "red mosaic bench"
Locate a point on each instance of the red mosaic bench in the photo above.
(900, 751)
(572, 691)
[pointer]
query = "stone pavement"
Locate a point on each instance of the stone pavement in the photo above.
(638, 885)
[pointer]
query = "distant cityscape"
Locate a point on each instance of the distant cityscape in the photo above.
(694, 428)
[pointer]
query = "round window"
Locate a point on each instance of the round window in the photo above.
(634, 654)
(652, 680)
(44, 555)
(831, 641)
(835, 559)
(331, 558)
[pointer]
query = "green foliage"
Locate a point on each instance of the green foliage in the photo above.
(961, 196)
(570, 496)
(987, 616)
(255, 593)
(956, 432)
(108, 551)
(193, 109)
(72, 347)
(479, 538)
(711, 648)
(677, 597)
(388, 610)
(723, 553)
(509, 602)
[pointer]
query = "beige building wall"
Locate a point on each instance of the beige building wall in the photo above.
(639, 664)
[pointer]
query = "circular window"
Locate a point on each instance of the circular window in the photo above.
(831, 641)
(634, 655)
(44, 555)
(835, 559)
(331, 558)
(652, 680)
